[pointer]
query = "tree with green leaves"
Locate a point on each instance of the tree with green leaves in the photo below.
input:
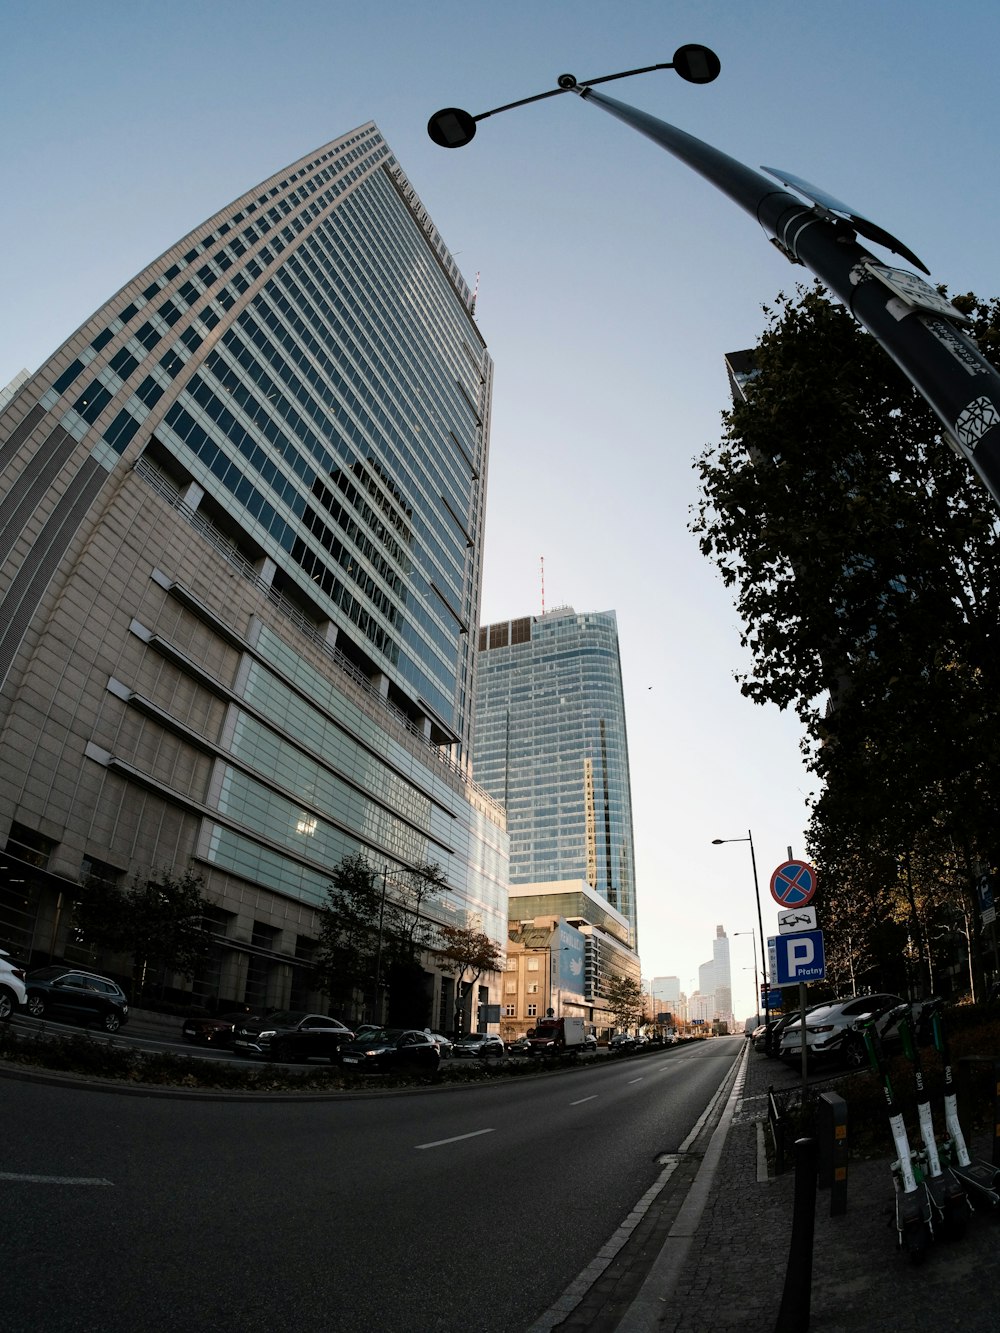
(158, 920)
(466, 952)
(623, 996)
(374, 928)
(866, 570)
(347, 953)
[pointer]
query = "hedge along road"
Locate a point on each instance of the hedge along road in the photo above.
(428, 1211)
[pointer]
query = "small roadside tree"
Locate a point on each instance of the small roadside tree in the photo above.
(466, 952)
(346, 954)
(408, 933)
(624, 998)
(158, 919)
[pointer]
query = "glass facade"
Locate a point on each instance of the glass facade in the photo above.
(241, 520)
(551, 746)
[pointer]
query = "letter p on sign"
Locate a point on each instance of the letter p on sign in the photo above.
(801, 952)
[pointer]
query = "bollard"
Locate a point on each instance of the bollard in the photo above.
(776, 1124)
(793, 1315)
(833, 1150)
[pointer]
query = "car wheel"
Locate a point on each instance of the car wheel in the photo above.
(35, 1006)
(111, 1021)
(8, 1000)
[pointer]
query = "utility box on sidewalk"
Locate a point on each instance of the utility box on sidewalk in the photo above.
(833, 1150)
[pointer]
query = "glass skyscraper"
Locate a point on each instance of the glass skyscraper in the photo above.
(551, 746)
(241, 516)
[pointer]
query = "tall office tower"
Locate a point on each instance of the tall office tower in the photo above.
(723, 973)
(241, 516)
(550, 745)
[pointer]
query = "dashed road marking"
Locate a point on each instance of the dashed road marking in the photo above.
(440, 1143)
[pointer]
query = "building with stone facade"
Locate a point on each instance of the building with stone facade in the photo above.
(241, 524)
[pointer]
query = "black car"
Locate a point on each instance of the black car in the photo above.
(291, 1035)
(76, 996)
(213, 1029)
(480, 1046)
(392, 1051)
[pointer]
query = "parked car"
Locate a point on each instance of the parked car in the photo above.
(12, 992)
(831, 1029)
(291, 1035)
(444, 1045)
(520, 1046)
(479, 1046)
(758, 1037)
(213, 1029)
(621, 1043)
(76, 996)
(393, 1050)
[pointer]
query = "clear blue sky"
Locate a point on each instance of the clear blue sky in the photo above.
(612, 281)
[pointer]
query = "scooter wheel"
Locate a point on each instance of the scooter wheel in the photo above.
(916, 1241)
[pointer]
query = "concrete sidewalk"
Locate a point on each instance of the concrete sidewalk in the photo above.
(733, 1274)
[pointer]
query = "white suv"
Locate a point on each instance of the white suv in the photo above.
(12, 992)
(832, 1029)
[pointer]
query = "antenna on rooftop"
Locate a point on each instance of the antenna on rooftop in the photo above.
(542, 559)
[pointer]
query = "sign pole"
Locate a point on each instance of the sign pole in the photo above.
(802, 1022)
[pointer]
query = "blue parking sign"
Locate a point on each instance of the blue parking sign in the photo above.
(797, 958)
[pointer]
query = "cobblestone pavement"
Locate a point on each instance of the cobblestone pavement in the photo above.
(728, 1275)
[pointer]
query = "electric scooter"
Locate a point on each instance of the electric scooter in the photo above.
(981, 1179)
(949, 1202)
(914, 1226)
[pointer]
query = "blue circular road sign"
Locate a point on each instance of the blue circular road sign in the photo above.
(793, 884)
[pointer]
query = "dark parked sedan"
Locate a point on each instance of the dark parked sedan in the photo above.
(77, 997)
(391, 1051)
(291, 1035)
(214, 1030)
(480, 1046)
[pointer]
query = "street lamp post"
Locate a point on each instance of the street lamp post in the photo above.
(756, 988)
(919, 329)
(718, 842)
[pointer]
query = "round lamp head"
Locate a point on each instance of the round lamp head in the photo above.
(697, 64)
(452, 127)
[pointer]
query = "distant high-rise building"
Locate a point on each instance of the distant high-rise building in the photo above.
(241, 521)
(715, 978)
(550, 744)
(666, 991)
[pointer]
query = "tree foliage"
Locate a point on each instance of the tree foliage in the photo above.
(158, 920)
(466, 952)
(865, 565)
(624, 998)
(373, 929)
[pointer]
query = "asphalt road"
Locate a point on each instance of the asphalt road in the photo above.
(442, 1209)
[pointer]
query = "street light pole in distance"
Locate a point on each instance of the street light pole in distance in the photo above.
(756, 988)
(919, 328)
(718, 842)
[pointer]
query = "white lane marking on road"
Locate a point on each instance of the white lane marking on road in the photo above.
(55, 1180)
(439, 1143)
(592, 1098)
(635, 1080)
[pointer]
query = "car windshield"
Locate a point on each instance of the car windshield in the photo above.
(47, 973)
(382, 1036)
